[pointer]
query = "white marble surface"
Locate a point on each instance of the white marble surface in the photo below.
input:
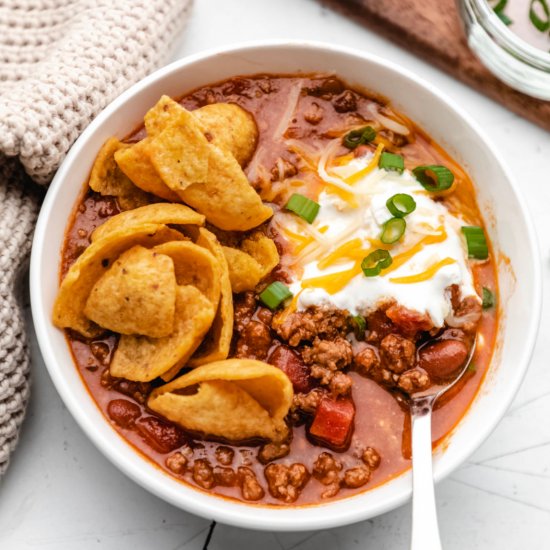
(60, 493)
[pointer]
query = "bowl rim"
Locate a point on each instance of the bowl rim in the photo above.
(246, 515)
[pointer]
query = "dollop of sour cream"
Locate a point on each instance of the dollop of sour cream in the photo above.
(339, 222)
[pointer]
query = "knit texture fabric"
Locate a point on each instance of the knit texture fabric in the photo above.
(61, 62)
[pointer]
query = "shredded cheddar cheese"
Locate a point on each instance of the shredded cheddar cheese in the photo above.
(340, 253)
(424, 275)
(354, 178)
(344, 159)
(347, 197)
(400, 259)
(333, 282)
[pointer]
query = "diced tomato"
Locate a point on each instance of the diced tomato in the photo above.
(293, 366)
(409, 320)
(333, 422)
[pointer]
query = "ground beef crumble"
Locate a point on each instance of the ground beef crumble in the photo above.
(250, 487)
(254, 341)
(306, 403)
(272, 451)
(177, 463)
(203, 473)
(414, 380)
(302, 326)
(397, 353)
(326, 469)
(286, 482)
(224, 455)
(371, 458)
(244, 306)
(356, 477)
(333, 354)
(366, 361)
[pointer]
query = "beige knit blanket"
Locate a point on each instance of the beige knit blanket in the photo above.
(61, 62)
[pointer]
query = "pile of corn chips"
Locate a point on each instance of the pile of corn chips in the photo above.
(157, 277)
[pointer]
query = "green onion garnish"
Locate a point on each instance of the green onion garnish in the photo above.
(393, 230)
(477, 244)
(487, 299)
(360, 326)
(472, 368)
(434, 177)
(541, 24)
(389, 161)
(303, 207)
(401, 205)
(504, 18)
(499, 12)
(501, 4)
(359, 137)
(275, 294)
(375, 262)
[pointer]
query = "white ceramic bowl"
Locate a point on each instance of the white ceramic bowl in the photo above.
(509, 227)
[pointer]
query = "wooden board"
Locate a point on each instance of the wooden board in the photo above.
(432, 30)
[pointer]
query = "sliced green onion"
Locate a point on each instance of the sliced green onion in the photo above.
(275, 294)
(472, 368)
(375, 262)
(358, 137)
(500, 5)
(499, 12)
(541, 24)
(303, 207)
(434, 177)
(477, 244)
(389, 161)
(360, 326)
(504, 18)
(401, 205)
(487, 299)
(393, 230)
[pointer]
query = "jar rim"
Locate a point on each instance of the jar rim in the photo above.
(484, 15)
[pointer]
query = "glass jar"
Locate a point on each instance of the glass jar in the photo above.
(519, 64)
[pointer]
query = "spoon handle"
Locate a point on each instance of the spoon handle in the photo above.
(425, 531)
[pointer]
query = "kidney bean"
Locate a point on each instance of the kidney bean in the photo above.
(123, 412)
(293, 366)
(326, 88)
(443, 358)
(160, 435)
(226, 477)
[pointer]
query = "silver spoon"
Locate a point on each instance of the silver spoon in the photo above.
(425, 529)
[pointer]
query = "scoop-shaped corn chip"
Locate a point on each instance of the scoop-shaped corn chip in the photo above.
(136, 295)
(225, 124)
(68, 311)
(107, 178)
(194, 265)
(244, 271)
(230, 127)
(138, 164)
(161, 115)
(249, 265)
(226, 199)
(218, 340)
(180, 152)
(141, 358)
(235, 399)
(160, 213)
(263, 250)
(134, 161)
